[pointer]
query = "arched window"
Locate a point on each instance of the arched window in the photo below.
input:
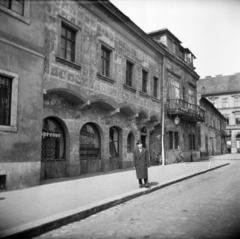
(53, 140)
(130, 142)
(114, 142)
(89, 142)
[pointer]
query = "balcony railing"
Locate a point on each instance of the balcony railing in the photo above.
(185, 110)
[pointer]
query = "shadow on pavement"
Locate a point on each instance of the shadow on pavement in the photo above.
(153, 184)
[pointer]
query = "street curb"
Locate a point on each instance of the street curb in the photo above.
(44, 225)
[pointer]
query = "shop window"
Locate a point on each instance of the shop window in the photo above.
(130, 143)
(89, 142)
(53, 140)
(114, 142)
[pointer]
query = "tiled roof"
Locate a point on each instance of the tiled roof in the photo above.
(219, 84)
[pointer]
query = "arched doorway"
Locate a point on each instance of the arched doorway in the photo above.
(143, 133)
(53, 153)
(90, 149)
(115, 148)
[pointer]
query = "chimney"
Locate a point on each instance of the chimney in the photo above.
(206, 77)
(218, 75)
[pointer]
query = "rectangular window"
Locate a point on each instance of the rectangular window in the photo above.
(193, 142)
(176, 143)
(5, 100)
(225, 103)
(236, 102)
(227, 117)
(155, 87)
(173, 89)
(129, 74)
(170, 140)
(237, 117)
(144, 81)
(191, 98)
(68, 39)
(14, 5)
(214, 102)
(105, 61)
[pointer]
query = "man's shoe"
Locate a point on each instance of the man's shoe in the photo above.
(146, 185)
(140, 185)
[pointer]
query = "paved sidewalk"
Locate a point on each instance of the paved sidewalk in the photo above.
(29, 212)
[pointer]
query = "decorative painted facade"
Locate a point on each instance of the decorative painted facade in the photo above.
(100, 114)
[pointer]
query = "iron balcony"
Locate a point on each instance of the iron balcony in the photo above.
(185, 110)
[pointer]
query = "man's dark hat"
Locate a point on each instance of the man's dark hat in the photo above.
(139, 142)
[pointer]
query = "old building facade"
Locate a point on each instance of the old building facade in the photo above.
(182, 112)
(224, 93)
(212, 131)
(102, 83)
(21, 74)
(86, 84)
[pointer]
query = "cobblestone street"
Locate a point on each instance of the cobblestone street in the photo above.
(206, 206)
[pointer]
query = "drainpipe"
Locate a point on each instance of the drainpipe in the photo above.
(163, 131)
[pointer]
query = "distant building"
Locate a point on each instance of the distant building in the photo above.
(224, 93)
(212, 131)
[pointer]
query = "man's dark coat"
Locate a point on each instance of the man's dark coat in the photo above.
(141, 162)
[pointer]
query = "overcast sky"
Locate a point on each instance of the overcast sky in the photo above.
(209, 28)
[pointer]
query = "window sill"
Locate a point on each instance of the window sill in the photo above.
(144, 94)
(127, 87)
(53, 160)
(68, 63)
(156, 100)
(8, 128)
(102, 77)
(16, 15)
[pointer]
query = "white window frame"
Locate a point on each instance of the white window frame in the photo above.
(14, 102)
(26, 12)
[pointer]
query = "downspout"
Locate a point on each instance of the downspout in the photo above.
(163, 113)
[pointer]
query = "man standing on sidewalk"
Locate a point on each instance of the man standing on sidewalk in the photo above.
(141, 164)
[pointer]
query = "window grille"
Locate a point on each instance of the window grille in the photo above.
(5, 100)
